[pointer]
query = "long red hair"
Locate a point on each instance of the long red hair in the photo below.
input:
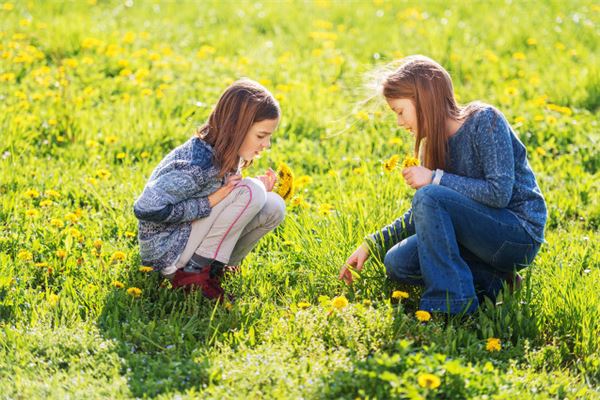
(241, 105)
(429, 86)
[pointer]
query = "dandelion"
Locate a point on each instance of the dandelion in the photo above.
(32, 213)
(228, 306)
(302, 181)
(493, 344)
(325, 209)
(32, 194)
(359, 170)
(7, 6)
(129, 234)
(390, 164)
(97, 244)
(362, 115)
(25, 255)
(118, 256)
(551, 120)
(532, 41)
(134, 292)
(399, 294)
(423, 315)
(57, 223)
(299, 202)
(45, 203)
(429, 381)
(144, 155)
(395, 141)
(75, 233)
(520, 120)
(103, 173)
(118, 284)
(61, 253)
(41, 264)
(71, 217)
(145, 269)
(121, 155)
(303, 305)
(540, 151)
(52, 299)
(409, 161)
(339, 302)
(110, 139)
(285, 183)
(205, 51)
(519, 56)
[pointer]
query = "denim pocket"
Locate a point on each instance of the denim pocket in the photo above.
(513, 255)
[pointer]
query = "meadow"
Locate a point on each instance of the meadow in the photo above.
(94, 93)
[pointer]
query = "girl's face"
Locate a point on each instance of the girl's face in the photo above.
(406, 112)
(258, 138)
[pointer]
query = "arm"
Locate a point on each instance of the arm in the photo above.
(494, 147)
(392, 233)
(169, 197)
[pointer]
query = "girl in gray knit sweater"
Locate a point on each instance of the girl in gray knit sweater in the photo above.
(478, 214)
(196, 214)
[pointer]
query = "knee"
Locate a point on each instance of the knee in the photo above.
(427, 195)
(274, 209)
(253, 192)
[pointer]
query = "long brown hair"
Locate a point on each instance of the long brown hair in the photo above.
(241, 105)
(429, 86)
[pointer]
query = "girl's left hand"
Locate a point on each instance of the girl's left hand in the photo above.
(269, 179)
(417, 177)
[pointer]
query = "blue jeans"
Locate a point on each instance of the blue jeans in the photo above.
(455, 246)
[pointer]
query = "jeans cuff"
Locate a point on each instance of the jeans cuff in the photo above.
(455, 306)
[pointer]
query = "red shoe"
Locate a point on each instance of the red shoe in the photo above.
(211, 287)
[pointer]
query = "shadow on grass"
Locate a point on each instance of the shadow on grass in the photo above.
(159, 336)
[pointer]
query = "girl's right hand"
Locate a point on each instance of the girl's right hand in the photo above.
(355, 261)
(230, 183)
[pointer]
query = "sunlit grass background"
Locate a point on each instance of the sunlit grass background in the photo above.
(94, 94)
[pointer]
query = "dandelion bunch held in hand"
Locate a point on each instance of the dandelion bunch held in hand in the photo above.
(285, 183)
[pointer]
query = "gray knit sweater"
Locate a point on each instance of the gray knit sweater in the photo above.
(176, 194)
(486, 162)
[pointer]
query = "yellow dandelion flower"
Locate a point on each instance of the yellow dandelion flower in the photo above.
(25, 255)
(91, 181)
(362, 116)
(325, 209)
(303, 305)
(97, 244)
(145, 269)
(103, 173)
(519, 56)
(339, 302)
(32, 194)
(57, 223)
(532, 41)
(45, 203)
(129, 234)
(429, 381)
(359, 170)
(7, 6)
(228, 305)
(205, 51)
(423, 315)
(399, 294)
(551, 120)
(520, 120)
(303, 180)
(121, 155)
(118, 256)
(41, 264)
(134, 292)
(32, 213)
(390, 164)
(75, 233)
(61, 253)
(117, 284)
(111, 139)
(299, 202)
(144, 154)
(493, 344)
(71, 217)
(395, 141)
(409, 161)
(53, 299)
(540, 151)
(285, 183)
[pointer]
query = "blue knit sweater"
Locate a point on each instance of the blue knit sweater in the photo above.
(486, 162)
(176, 194)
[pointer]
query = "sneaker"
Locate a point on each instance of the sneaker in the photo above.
(210, 286)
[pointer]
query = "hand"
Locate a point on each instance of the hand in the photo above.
(230, 183)
(356, 261)
(269, 179)
(417, 177)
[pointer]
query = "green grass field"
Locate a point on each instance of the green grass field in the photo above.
(94, 94)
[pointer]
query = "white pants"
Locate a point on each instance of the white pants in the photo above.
(234, 226)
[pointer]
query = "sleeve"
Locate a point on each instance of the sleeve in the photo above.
(494, 148)
(169, 198)
(388, 236)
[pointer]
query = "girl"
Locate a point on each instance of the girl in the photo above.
(196, 215)
(477, 215)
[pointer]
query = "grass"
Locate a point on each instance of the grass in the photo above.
(95, 94)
